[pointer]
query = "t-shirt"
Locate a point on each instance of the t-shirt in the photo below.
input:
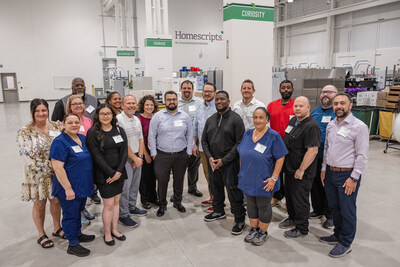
(77, 164)
(257, 162)
(280, 115)
(322, 117)
(86, 123)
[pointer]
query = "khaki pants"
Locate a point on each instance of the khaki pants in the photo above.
(204, 162)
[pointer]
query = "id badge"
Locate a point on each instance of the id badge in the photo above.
(288, 129)
(260, 148)
(344, 131)
(81, 129)
(290, 117)
(178, 123)
(192, 108)
(326, 119)
(118, 139)
(54, 133)
(77, 149)
(90, 109)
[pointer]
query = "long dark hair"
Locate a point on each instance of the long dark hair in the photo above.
(109, 96)
(34, 104)
(143, 100)
(97, 123)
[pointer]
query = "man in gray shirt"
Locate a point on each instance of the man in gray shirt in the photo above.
(170, 142)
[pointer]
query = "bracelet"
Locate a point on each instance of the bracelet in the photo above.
(274, 178)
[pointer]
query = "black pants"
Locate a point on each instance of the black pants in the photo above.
(280, 194)
(147, 186)
(297, 201)
(163, 164)
(193, 172)
(226, 176)
(318, 197)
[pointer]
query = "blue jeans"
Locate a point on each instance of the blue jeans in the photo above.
(344, 209)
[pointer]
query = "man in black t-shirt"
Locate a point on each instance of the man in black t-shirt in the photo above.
(302, 140)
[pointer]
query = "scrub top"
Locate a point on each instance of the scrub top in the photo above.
(77, 164)
(257, 161)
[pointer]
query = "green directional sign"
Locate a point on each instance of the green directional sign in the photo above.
(249, 13)
(158, 42)
(121, 53)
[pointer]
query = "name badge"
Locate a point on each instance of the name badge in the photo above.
(192, 108)
(288, 129)
(344, 131)
(291, 116)
(118, 139)
(90, 109)
(77, 149)
(260, 148)
(54, 133)
(178, 123)
(326, 119)
(81, 129)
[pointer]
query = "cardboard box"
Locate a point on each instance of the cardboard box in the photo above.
(395, 87)
(367, 98)
(382, 95)
(381, 103)
(392, 98)
(392, 105)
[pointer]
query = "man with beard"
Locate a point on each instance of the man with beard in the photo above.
(222, 134)
(281, 111)
(302, 140)
(345, 158)
(322, 115)
(170, 142)
(245, 107)
(188, 103)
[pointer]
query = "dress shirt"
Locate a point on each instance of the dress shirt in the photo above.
(246, 112)
(170, 132)
(189, 107)
(204, 111)
(322, 117)
(346, 145)
(133, 130)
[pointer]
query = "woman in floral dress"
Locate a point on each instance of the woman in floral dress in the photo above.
(34, 140)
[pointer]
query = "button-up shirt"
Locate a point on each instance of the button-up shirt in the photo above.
(204, 111)
(322, 117)
(190, 107)
(133, 130)
(246, 112)
(170, 132)
(346, 145)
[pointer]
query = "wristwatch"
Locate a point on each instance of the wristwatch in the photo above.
(274, 178)
(141, 156)
(354, 179)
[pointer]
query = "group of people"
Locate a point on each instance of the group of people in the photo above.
(259, 154)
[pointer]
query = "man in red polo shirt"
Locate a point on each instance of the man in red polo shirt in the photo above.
(281, 111)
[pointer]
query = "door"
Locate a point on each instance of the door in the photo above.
(9, 87)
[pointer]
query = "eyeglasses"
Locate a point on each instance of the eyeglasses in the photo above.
(208, 92)
(171, 99)
(105, 114)
(77, 104)
(328, 92)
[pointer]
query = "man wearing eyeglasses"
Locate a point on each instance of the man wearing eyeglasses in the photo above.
(322, 114)
(170, 142)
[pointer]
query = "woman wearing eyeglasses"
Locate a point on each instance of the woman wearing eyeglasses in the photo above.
(108, 145)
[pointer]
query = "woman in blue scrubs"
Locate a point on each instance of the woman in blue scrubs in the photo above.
(262, 153)
(72, 181)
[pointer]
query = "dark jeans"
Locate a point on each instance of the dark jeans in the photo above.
(344, 209)
(71, 219)
(280, 194)
(193, 172)
(163, 164)
(147, 186)
(318, 197)
(226, 176)
(297, 201)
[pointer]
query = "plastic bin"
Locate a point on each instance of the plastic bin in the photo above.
(369, 115)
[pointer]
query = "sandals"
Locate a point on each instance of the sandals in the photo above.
(57, 234)
(45, 243)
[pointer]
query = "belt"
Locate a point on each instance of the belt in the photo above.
(171, 153)
(334, 169)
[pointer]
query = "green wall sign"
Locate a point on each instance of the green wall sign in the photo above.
(248, 13)
(158, 42)
(121, 53)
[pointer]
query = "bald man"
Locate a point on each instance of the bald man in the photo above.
(302, 139)
(322, 114)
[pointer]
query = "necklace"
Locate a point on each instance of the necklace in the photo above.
(257, 135)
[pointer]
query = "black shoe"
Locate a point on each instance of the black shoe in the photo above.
(238, 227)
(95, 198)
(180, 208)
(161, 211)
(155, 202)
(214, 216)
(146, 205)
(314, 215)
(78, 250)
(109, 243)
(195, 193)
(120, 238)
(172, 199)
(86, 238)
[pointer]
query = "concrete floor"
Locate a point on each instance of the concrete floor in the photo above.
(186, 239)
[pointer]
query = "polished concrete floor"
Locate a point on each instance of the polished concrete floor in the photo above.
(186, 239)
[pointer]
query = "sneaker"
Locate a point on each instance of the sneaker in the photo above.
(78, 250)
(331, 240)
(87, 214)
(86, 238)
(138, 212)
(314, 215)
(274, 202)
(237, 228)
(286, 223)
(339, 251)
(84, 220)
(293, 233)
(214, 216)
(250, 236)
(206, 203)
(260, 238)
(328, 224)
(95, 198)
(128, 222)
(210, 210)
